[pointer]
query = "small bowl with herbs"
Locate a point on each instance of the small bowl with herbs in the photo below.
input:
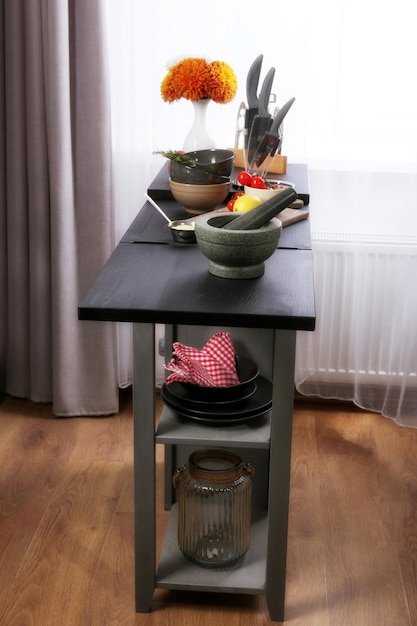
(200, 167)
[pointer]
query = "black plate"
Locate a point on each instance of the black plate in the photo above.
(187, 400)
(257, 404)
(224, 421)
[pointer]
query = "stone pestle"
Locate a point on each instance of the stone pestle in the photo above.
(263, 213)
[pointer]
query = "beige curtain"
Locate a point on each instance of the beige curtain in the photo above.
(56, 222)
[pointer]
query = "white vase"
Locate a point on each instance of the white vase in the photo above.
(198, 137)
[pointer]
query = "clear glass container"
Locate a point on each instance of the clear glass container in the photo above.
(214, 507)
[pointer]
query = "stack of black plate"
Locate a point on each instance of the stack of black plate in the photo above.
(250, 398)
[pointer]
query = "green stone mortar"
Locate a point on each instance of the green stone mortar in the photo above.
(237, 254)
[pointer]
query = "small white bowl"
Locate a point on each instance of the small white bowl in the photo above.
(264, 194)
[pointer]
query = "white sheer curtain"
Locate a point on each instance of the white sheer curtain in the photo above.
(349, 65)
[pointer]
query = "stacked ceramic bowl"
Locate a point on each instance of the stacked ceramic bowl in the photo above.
(220, 406)
(205, 184)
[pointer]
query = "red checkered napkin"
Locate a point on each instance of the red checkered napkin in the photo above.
(213, 366)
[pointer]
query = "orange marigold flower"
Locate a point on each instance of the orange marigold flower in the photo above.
(187, 79)
(195, 78)
(222, 82)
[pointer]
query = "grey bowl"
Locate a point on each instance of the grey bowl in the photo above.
(215, 160)
(213, 166)
(194, 175)
(236, 254)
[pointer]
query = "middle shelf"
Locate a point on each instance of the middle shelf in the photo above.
(173, 429)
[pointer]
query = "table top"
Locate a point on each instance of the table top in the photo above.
(160, 281)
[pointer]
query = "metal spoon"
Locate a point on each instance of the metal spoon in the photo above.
(181, 230)
(157, 207)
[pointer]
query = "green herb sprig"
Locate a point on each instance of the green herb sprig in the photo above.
(179, 157)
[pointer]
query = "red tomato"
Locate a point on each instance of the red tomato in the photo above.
(230, 204)
(258, 183)
(238, 194)
(244, 178)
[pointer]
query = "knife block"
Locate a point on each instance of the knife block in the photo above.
(274, 165)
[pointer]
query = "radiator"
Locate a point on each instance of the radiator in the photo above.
(366, 307)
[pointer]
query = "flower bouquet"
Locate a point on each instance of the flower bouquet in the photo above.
(199, 81)
(196, 79)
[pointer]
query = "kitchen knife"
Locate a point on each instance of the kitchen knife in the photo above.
(261, 122)
(252, 82)
(271, 140)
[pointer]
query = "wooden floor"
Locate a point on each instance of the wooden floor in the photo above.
(66, 525)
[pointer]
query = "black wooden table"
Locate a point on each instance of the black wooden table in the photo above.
(157, 281)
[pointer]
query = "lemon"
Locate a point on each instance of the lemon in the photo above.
(245, 203)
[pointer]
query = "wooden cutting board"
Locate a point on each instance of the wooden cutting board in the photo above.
(291, 216)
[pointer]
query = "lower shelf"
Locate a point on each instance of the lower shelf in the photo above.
(249, 577)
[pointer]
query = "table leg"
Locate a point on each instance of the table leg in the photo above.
(279, 470)
(144, 463)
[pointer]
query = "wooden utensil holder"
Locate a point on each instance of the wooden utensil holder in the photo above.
(274, 165)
